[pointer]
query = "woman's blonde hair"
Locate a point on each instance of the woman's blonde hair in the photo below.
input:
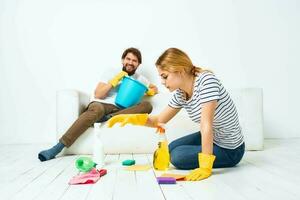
(175, 60)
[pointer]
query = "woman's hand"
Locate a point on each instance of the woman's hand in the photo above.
(204, 171)
(135, 119)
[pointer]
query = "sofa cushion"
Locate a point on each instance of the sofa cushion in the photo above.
(139, 139)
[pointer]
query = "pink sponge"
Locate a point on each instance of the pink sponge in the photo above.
(166, 180)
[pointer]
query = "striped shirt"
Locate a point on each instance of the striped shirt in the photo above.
(226, 128)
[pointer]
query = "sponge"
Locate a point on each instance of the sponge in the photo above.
(166, 180)
(128, 162)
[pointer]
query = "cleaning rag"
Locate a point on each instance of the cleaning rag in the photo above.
(88, 178)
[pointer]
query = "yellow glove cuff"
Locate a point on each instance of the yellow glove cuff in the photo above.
(206, 161)
(141, 119)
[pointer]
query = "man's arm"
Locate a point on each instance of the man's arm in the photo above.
(102, 90)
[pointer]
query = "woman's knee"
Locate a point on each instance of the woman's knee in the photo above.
(172, 146)
(179, 160)
(176, 160)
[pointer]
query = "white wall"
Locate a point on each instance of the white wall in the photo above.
(55, 44)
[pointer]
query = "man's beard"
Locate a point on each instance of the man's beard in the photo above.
(129, 73)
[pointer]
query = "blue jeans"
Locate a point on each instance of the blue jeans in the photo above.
(184, 153)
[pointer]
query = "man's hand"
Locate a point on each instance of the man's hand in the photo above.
(206, 162)
(114, 82)
(135, 119)
(152, 90)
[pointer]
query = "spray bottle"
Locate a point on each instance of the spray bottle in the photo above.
(161, 156)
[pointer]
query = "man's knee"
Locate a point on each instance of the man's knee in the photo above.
(96, 109)
(147, 107)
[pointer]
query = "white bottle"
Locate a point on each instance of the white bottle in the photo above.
(98, 150)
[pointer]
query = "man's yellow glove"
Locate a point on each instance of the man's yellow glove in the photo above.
(135, 119)
(206, 162)
(150, 92)
(114, 82)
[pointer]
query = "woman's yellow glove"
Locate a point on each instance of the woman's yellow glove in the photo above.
(135, 119)
(206, 162)
(114, 82)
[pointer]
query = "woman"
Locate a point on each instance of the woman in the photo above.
(220, 142)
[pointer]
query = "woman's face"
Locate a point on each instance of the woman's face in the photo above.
(171, 80)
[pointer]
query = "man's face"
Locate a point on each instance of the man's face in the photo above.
(130, 64)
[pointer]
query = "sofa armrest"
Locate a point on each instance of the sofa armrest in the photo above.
(69, 105)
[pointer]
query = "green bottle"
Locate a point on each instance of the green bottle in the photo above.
(85, 164)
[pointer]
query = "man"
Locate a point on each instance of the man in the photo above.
(102, 106)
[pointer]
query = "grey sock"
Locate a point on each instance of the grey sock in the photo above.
(51, 153)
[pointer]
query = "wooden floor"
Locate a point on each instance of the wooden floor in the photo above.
(270, 174)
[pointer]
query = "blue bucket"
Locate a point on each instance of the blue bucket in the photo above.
(130, 92)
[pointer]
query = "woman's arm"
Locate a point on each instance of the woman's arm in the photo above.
(206, 124)
(166, 115)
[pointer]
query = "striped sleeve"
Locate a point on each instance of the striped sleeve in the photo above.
(209, 88)
(175, 101)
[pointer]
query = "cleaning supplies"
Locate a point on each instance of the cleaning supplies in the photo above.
(128, 162)
(88, 178)
(85, 164)
(98, 150)
(161, 156)
(166, 180)
(135, 88)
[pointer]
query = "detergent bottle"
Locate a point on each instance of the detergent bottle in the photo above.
(161, 156)
(98, 150)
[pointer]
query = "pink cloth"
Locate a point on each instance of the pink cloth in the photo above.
(88, 178)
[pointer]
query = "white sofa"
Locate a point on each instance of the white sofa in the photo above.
(139, 139)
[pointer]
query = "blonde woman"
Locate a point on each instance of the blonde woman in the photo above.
(219, 141)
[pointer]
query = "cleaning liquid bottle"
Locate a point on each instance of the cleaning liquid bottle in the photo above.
(98, 150)
(161, 156)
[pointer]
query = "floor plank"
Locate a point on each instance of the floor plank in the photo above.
(40, 184)
(268, 174)
(105, 187)
(146, 180)
(171, 191)
(59, 184)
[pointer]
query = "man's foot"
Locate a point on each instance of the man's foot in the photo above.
(50, 153)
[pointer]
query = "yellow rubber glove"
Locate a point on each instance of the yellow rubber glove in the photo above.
(206, 162)
(150, 92)
(135, 119)
(114, 82)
